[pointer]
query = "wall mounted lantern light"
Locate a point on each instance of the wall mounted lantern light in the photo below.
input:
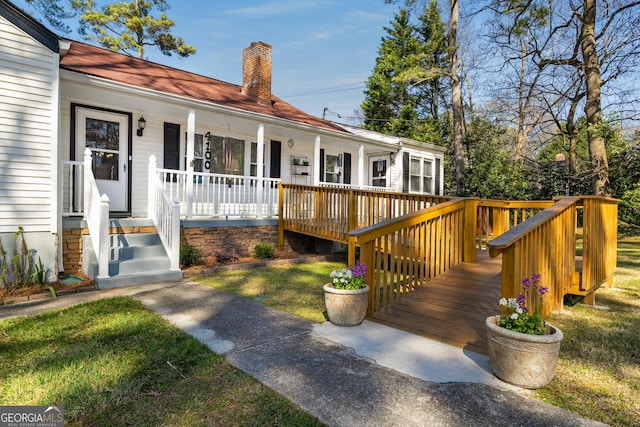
(141, 125)
(392, 157)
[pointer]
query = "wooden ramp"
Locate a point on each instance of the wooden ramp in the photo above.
(452, 307)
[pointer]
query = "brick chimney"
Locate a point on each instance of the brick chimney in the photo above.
(256, 72)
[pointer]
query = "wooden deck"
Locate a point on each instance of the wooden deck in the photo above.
(452, 307)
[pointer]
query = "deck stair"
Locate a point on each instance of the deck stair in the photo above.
(136, 256)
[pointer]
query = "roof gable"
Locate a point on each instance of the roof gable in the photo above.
(117, 67)
(29, 25)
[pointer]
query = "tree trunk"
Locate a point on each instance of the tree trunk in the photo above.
(593, 109)
(456, 100)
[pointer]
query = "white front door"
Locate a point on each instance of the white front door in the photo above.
(106, 135)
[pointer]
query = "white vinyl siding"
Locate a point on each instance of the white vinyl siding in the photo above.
(28, 129)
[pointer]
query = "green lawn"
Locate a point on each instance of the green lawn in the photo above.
(113, 362)
(296, 288)
(598, 372)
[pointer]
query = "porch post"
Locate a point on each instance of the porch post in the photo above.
(191, 131)
(260, 170)
(316, 161)
(361, 165)
(151, 187)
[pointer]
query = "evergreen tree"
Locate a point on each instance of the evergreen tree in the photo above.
(126, 26)
(388, 105)
(433, 66)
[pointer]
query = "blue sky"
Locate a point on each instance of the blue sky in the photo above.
(323, 50)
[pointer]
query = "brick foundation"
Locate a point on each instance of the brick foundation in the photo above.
(72, 250)
(238, 241)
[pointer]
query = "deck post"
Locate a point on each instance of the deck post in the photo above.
(470, 224)
(352, 224)
(366, 251)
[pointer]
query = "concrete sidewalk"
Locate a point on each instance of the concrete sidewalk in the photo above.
(368, 375)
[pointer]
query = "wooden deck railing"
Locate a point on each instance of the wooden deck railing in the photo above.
(405, 240)
(600, 235)
(331, 213)
(404, 253)
(546, 245)
(497, 216)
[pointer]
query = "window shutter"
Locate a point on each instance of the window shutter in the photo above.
(171, 146)
(322, 165)
(437, 192)
(346, 166)
(276, 152)
(405, 172)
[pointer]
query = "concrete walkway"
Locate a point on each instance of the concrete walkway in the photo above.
(368, 375)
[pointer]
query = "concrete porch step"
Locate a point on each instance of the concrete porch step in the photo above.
(122, 280)
(134, 258)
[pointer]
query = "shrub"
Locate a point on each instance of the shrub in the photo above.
(264, 250)
(189, 255)
(21, 271)
(222, 257)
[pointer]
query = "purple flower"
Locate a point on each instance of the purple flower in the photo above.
(542, 290)
(526, 282)
(358, 270)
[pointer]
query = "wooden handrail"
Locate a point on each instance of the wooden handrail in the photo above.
(511, 236)
(546, 245)
(402, 254)
(374, 231)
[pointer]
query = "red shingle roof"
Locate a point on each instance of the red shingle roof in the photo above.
(103, 63)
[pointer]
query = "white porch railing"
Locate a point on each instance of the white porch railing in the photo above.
(96, 214)
(72, 187)
(355, 187)
(218, 195)
(164, 211)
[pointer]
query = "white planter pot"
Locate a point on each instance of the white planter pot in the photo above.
(521, 359)
(346, 307)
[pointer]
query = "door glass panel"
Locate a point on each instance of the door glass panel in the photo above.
(379, 173)
(235, 156)
(331, 169)
(103, 138)
(105, 165)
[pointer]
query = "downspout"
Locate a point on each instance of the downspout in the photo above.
(56, 158)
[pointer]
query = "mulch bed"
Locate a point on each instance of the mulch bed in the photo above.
(34, 293)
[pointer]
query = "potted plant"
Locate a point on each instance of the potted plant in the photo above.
(347, 296)
(523, 348)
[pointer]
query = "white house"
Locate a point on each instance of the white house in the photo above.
(143, 131)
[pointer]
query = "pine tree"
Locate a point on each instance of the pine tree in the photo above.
(126, 26)
(388, 105)
(433, 65)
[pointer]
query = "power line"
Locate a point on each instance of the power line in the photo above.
(341, 88)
